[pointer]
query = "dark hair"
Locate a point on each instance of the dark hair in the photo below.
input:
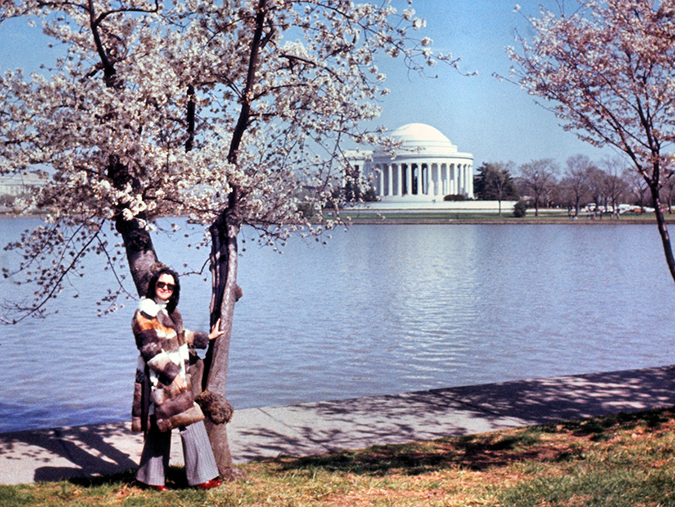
(152, 285)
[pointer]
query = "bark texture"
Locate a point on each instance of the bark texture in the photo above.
(140, 251)
(224, 295)
(663, 231)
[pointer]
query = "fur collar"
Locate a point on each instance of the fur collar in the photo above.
(152, 310)
(149, 307)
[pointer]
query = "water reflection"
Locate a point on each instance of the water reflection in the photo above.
(380, 309)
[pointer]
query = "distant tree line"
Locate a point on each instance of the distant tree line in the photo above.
(601, 186)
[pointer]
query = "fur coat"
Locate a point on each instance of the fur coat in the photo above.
(164, 348)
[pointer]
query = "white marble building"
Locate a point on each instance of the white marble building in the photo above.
(18, 184)
(423, 169)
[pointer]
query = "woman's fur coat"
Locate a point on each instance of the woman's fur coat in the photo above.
(164, 354)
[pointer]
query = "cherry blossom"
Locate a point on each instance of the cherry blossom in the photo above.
(230, 113)
(606, 69)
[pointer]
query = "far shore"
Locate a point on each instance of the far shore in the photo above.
(546, 217)
(401, 217)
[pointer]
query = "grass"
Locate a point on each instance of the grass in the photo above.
(622, 460)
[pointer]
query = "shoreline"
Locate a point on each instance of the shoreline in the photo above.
(424, 217)
(489, 221)
(547, 216)
(317, 428)
(458, 219)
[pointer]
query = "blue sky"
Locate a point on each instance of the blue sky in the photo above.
(495, 120)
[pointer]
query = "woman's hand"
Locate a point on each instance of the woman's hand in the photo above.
(215, 331)
(180, 383)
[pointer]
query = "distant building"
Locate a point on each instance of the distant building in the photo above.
(424, 168)
(19, 184)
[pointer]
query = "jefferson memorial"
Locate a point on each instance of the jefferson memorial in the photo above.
(423, 168)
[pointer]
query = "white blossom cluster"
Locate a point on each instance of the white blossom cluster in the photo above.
(157, 88)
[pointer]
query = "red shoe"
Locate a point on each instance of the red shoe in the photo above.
(161, 487)
(213, 483)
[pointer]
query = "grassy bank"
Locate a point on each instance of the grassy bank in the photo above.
(624, 460)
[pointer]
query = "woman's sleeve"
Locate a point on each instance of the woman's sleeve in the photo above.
(198, 339)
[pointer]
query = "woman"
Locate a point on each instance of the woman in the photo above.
(163, 397)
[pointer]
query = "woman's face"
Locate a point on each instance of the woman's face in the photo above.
(164, 286)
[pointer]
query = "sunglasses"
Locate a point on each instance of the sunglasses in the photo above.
(164, 285)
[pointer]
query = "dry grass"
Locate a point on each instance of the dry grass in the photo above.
(624, 460)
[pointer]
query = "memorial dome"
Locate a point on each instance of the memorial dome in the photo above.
(420, 135)
(424, 166)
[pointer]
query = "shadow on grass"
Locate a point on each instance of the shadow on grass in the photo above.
(175, 479)
(479, 452)
(602, 428)
(472, 452)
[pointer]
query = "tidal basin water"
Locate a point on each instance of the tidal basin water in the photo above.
(379, 309)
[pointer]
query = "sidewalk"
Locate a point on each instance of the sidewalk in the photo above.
(314, 428)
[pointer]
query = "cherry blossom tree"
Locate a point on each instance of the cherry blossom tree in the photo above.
(231, 113)
(607, 71)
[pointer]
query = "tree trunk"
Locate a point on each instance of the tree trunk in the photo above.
(140, 251)
(225, 293)
(663, 231)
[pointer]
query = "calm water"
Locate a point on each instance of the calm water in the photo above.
(380, 309)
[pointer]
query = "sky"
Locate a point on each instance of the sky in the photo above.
(494, 120)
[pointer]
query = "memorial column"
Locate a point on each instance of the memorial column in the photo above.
(408, 178)
(390, 183)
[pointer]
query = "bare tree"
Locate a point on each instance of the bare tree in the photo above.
(595, 183)
(575, 179)
(537, 179)
(669, 191)
(638, 187)
(615, 185)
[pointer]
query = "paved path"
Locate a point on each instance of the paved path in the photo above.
(313, 428)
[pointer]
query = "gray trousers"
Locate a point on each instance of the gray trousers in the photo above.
(200, 465)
